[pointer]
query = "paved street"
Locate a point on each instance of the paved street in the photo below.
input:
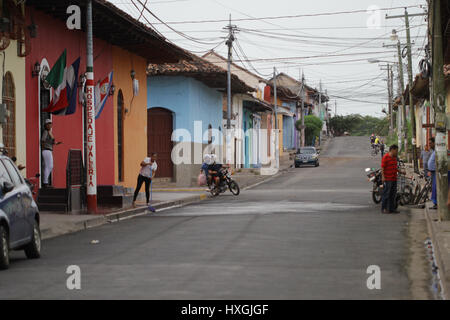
(310, 233)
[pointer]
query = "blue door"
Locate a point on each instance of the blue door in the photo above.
(246, 143)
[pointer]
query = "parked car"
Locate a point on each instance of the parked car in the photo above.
(305, 156)
(19, 215)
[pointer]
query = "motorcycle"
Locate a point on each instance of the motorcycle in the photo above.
(404, 192)
(374, 176)
(225, 183)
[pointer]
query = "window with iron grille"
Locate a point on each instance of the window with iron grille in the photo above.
(9, 128)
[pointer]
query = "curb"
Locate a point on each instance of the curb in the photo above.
(438, 254)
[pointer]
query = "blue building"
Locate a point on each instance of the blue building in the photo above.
(190, 95)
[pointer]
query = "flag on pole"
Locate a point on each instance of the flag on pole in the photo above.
(64, 81)
(101, 94)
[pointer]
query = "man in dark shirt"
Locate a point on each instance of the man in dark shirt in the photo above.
(214, 170)
(389, 171)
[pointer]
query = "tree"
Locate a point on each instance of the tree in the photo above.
(313, 126)
(359, 125)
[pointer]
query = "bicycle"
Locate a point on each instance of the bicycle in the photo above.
(422, 193)
(375, 150)
(404, 191)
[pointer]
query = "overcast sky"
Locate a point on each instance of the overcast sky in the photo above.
(327, 42)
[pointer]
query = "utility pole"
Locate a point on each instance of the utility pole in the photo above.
(91, 166)
(320, 108)
(389, 97)
(327, 120)
(277, 151)
(303, 112)
(410, 81)
(440, 112)
(391, 100)
(320, 97)
(335, 108)
(404, 129)
(231, 29)
(411, 103)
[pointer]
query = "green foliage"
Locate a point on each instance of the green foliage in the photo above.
(359, 125)
(313, 126)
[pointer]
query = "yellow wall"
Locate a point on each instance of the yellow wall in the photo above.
(16, 66)
(280, 137)
(135, 120)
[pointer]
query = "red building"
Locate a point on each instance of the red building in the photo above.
(53, 37)
(112, 28)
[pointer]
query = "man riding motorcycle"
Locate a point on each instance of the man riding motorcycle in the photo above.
(215, 170)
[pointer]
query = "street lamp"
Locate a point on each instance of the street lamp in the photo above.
(394, 35)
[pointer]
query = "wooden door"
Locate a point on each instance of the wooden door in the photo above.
(159, 139)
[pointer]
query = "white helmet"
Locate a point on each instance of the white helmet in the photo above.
(213, 158)
(207, 159)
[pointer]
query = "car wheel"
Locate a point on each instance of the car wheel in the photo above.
(317, 164)
(33, 249)
(4, 249)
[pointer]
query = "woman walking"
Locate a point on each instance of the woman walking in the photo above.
(148, 169)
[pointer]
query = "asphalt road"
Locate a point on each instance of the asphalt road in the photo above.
(308, 234)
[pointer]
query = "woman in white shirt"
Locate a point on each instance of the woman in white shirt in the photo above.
(148, 169)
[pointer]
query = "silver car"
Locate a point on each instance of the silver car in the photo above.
(19, 215)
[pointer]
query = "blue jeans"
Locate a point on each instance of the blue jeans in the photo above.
(389, 195)
(433, 190)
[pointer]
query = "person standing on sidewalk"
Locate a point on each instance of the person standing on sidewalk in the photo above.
(425, 155)
(382, 146)
(47, 143)
(146, 174)
(389, 171)
(432, 172)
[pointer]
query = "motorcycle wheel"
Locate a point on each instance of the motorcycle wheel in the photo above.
(234, 188)
(376, 195)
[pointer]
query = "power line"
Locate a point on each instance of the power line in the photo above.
(287, 16)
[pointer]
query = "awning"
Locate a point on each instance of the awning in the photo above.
(256, 105)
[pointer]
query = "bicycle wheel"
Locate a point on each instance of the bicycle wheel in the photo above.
(424, 195)
(406, 197)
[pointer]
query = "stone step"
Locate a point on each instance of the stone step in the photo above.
(53, 207)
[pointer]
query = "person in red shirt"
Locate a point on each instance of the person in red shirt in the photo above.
(389, 172)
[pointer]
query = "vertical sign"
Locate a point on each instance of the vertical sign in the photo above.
(91, 165)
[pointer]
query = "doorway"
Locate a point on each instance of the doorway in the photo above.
(159, 139)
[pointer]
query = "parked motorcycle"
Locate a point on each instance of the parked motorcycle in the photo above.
(374, 176)
(404, 191)
(226, 183)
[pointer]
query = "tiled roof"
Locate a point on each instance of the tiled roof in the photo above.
(200, 69)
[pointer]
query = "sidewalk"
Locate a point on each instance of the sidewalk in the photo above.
(439, 232)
